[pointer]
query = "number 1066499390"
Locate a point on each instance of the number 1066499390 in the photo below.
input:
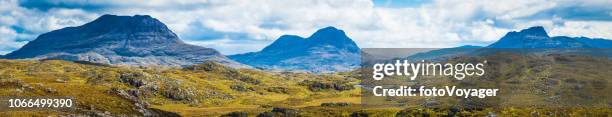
(19, 103)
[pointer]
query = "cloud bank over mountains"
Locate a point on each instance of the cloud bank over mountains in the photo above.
(238, 26)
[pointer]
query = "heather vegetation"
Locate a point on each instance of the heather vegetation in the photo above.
(211, 89)
(207, 89)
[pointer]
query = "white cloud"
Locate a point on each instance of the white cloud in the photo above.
(593, 29)
(7, 40)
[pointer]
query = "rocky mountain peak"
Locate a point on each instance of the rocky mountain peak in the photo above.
(137, 23)
(327, 32)
(144, 20)
(330, 35)
(538, 31)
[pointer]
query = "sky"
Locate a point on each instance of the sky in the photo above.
(239, 26)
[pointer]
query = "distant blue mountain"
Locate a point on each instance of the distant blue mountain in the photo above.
(327, 50)
(534, 39)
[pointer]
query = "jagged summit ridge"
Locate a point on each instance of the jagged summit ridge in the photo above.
(538, 31)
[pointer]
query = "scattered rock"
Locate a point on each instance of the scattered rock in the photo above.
(266, 114)
(578, 86)
(554, 98)
(278, 90)
(343, 87)
(98, 114)
(135, 92)
(535, 114)
(453, 111)
(177, 93)
(549, 113)
(285, 111)
(491, 114)
(136, 79)
(140, 105)
(236, 114)
(599, 84)
(338, 104)
(241, 88)
(270, 106)
(553, 82)
(360, 113)
(39, 85)
(50, 90)
(476, 103)
(248, 79)
(280, 112)
(318, 86)
(571, 80)
(431, 104)
(411, 112)
(27, 86)
(60, 80)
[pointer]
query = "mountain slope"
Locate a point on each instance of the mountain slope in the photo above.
(327, 50)
(131, 40)
(596, 43)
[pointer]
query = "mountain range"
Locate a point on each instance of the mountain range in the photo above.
(138, 40)
(141, 40)
(327, 50)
